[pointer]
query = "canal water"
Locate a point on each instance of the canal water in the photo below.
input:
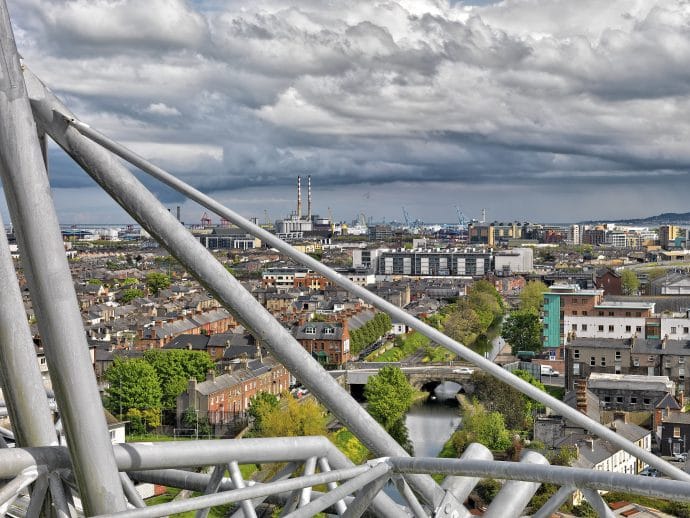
(431, 423)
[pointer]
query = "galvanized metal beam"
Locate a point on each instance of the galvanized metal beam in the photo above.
(143, 206)
(514, 496)
(26, 187)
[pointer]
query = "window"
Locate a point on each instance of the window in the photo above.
(610, 328)
(681, 372)
(610, 313)
(650, 359)
(601, 328)
(329, 331)
(673, 330)
(546, 325)
(633, 400)
(627, 313)
(676, 432)
(681, 359)
(603, 361)
(618, 355)
(575, 313)
(601, 313)
(576, 354)
(310, 330)
(686, 330)
(584, 327)
(616, 369)
(646, 401)
(584, 313)
(576, 369)
(638, 329)
(592, 361)
(607, 399)
(638, 313)
(619, 399)
(574, 327)
(628, 329)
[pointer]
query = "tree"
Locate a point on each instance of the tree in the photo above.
(133, 384)
(532, 296)
(388, 395)
(483, 426)
(463, 325)
(523, 331)
(260, 405)
(156, 281)
(629, 282)
(174, 368)
(130, 294)
(496, 396)
(294, 418)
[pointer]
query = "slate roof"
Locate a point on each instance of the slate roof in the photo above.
(631, 382)
(188, 342)
(319, 331)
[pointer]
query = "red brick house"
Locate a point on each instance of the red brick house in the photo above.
(328, 342)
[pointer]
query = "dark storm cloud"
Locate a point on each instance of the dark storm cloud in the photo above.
(232, 96)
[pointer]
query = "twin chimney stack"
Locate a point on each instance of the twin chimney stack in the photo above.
(299, 198)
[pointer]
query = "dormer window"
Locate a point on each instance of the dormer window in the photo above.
(328, 331)
(310, 330)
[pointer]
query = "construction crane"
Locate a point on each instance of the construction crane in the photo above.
(268, 219)
(406, 217)
(461, 217)
(205, 220)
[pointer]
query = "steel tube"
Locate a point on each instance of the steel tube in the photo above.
(514, 496)
(143, 206)
(9, 491)
(238, 481)
(57, 496)
(182, 454)
(131, 492)
(554, 502)
(382, 469)
(22, 384)
(398, 314)
(212, 486)
(309, 469)
(200, 502)
(461, 487)
(364, 497)
(28, 194)
(416, 508)
(560, 475)
(324, 466)
(595, 500)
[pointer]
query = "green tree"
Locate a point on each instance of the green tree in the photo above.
(174, 368)
(260, 405)
(496, 396)
(483, 426)
(129, 282)
(523, 331)
(132, 384)
(388, 395)
(156, 281)
(130, 294)
(630, 284)
(532, 296)
(463, 325)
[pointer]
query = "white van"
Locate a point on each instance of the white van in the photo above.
(547, 370)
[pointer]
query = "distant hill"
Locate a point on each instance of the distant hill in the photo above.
(667, 218)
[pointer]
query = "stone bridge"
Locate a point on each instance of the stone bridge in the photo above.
(418, 375)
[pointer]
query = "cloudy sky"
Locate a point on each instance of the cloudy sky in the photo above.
(542, 110)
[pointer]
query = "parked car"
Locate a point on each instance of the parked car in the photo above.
(463, 370)
(680, 457)
(650, 472)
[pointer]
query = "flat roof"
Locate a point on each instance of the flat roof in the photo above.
(625, 304)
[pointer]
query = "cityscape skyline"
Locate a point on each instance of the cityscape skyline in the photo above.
(422, 105)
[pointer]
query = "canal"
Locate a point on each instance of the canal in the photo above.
(431, 423)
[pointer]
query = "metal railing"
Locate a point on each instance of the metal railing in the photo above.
(48, 478)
